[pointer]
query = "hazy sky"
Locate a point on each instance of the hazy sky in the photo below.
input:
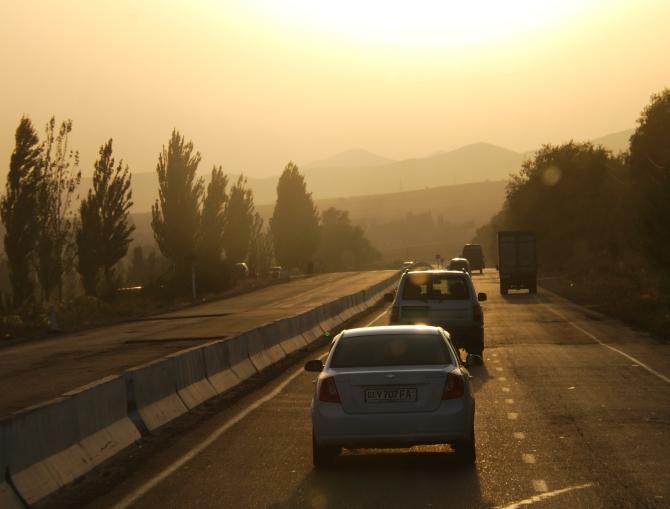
(255, 83)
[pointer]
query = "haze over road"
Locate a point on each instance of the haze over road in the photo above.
(562, 421)
(50, 367)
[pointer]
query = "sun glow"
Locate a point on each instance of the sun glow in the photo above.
(420, 22)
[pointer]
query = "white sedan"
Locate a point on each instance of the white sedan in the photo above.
(394, 386)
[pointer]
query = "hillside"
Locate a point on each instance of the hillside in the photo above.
(412, 224)
(350, 158)
(473, 163)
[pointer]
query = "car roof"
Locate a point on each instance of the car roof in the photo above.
(459, 260)
(391, 329)
(436, 271)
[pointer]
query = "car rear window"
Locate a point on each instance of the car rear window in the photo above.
(424, 286)
(390, 350)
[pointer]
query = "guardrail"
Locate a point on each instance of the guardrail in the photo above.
(48, 446)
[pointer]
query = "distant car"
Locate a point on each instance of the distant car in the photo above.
(391, 387)
(461, 264)
(475, 255)
(242, 270)
(278, 272)
(444, 298)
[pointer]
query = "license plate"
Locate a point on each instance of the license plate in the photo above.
(390, 395)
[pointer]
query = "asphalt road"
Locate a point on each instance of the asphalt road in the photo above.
(35, 371)
(573, 410)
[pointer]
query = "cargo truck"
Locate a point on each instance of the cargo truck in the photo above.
(517, 261)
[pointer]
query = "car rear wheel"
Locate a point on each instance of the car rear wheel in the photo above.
(465, 450)
(323, 456)
(503, 289)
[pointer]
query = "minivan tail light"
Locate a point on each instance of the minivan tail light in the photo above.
(477, 313)
(328, 391)
(454, 386)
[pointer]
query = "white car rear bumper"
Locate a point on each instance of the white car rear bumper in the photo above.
(452, 421)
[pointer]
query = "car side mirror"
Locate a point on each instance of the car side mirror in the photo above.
(481, 297)
(388, 297)
(314, 366)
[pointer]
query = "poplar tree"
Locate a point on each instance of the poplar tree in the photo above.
(58, 179)
(212, 220)
(176, 214)
(104, 231)
(238, 221)
(295, 221)
(17, 209)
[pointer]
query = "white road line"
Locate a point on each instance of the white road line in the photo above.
(498, 369)
(139, 492)
(614, 349)
(540, 486)
(505, 389)
(519, 435)
(528, 458)
(509, 401)
(544, 496)
(512, 416)
(502, 379)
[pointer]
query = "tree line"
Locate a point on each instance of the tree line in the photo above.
(590, 207)
(201, 231)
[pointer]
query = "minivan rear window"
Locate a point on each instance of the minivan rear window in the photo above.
(390, 350)
(425, 286)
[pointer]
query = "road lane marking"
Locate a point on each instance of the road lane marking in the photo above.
(544, 496)
(142, 490)
(614, 349)
(512, 416)
(502, 379)
(498, 369)
(540, 486)
(519, 435)
(509, 401)
(505, 389)
(528, 458)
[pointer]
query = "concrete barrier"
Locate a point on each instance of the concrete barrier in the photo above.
(291, 335)
(9, 499)
(193, 386)
(260, 356)
(238, 354)
(43, 453)
(218, 367)
(309, 325)
(152, 392)
(102, 419)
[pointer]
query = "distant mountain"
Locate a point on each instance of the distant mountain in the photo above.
(360, 173)
(473, 163)
(349, 159)
(616, 142)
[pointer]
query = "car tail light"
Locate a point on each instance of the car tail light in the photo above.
(395, 314)
(477, 313)
(328, 391)
(454, 386)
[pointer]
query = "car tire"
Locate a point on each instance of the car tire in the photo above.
(533, 289)
(323, 456)
(503, 289)
(465, 450)
(481, 271)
